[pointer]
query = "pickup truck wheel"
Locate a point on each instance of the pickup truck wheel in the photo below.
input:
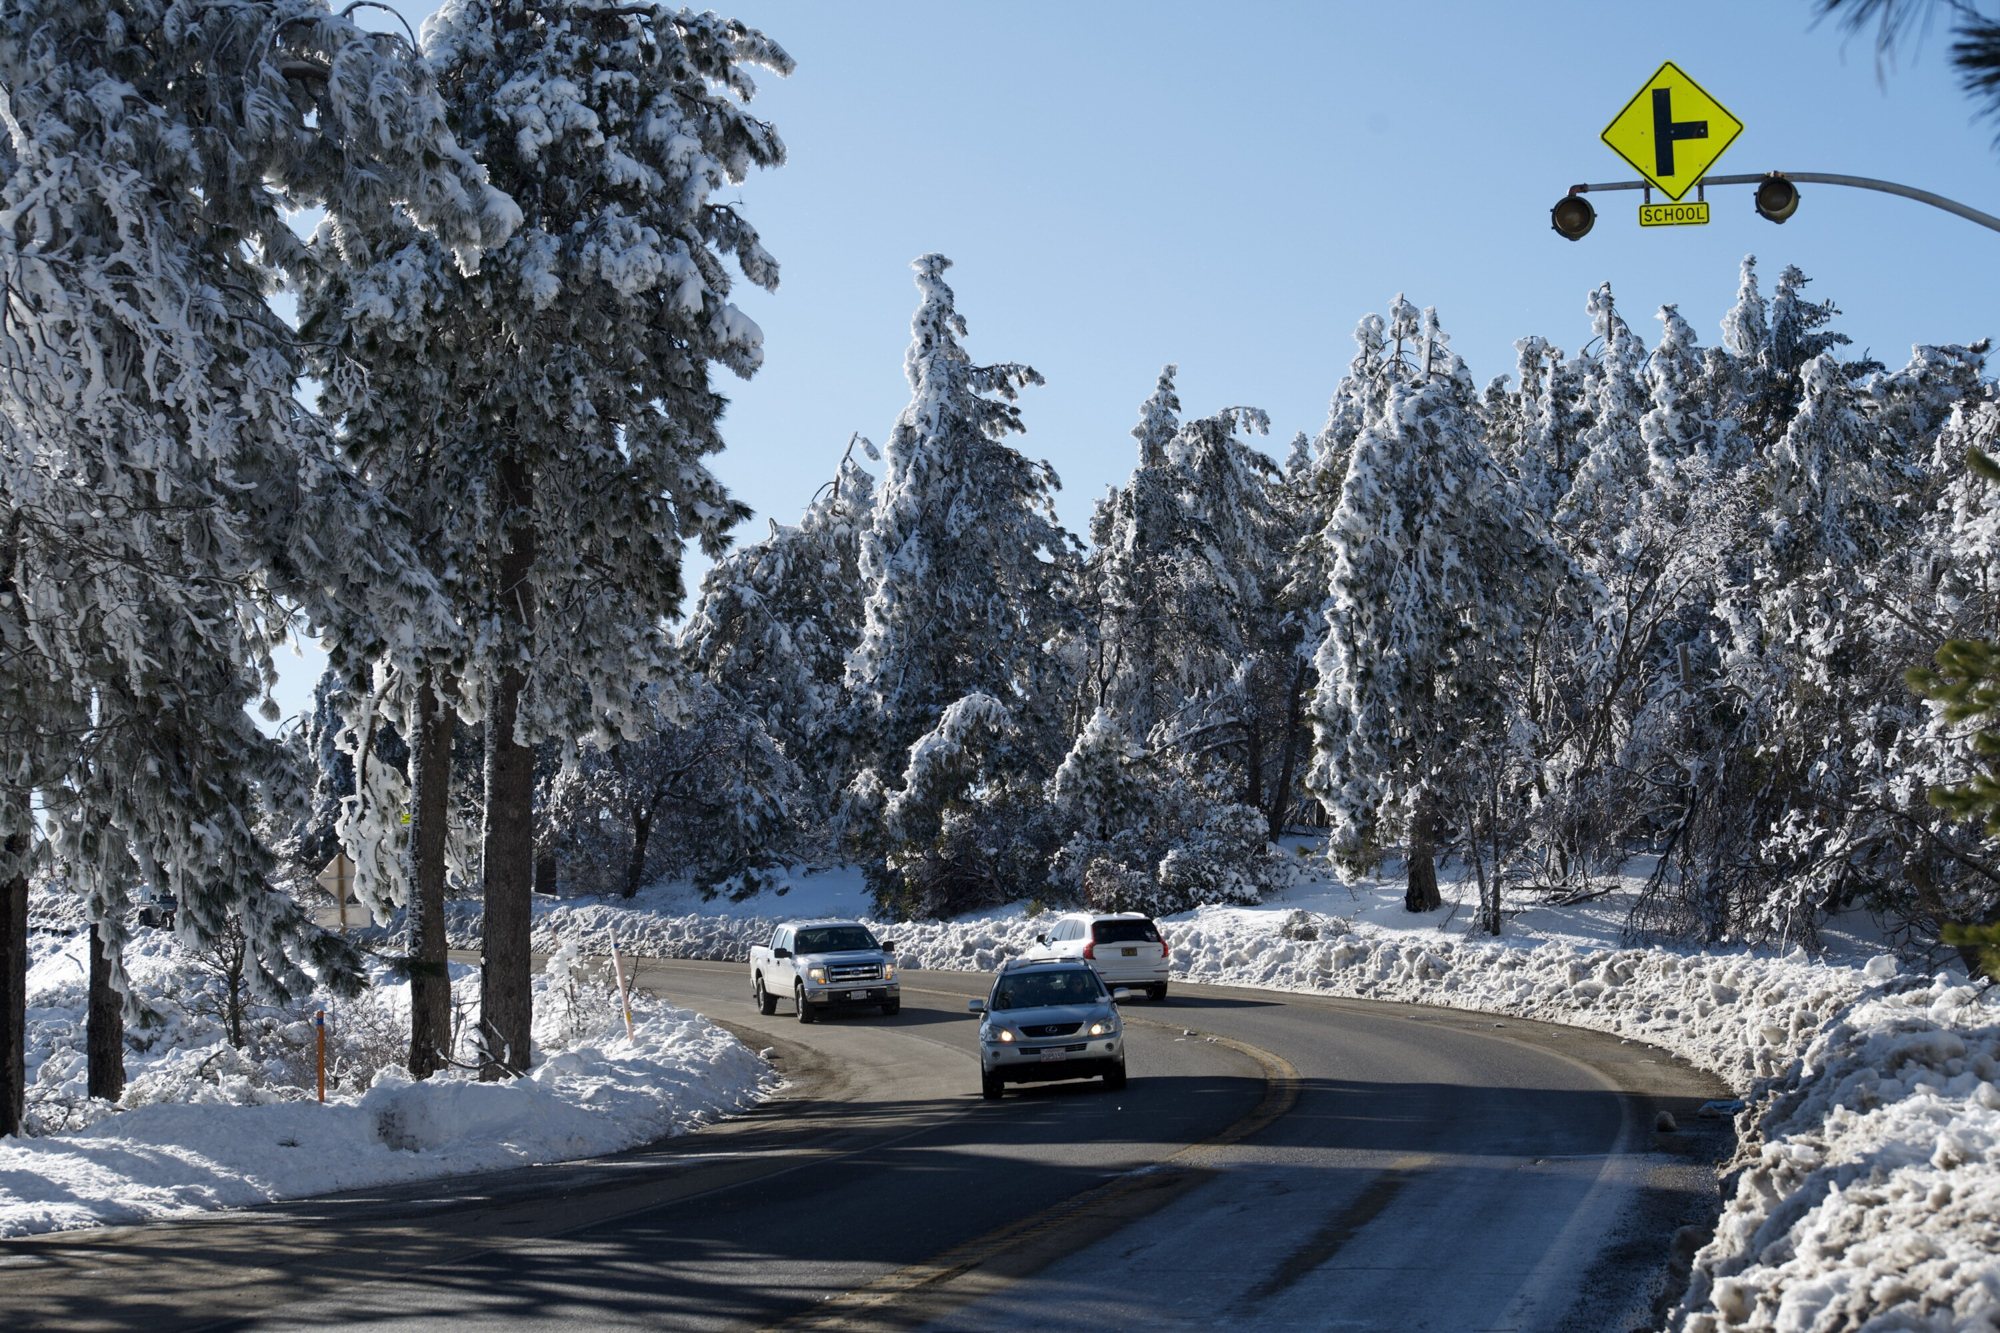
(767, 1003)
(892, 1007)
(805, 1009)
(991, 1087)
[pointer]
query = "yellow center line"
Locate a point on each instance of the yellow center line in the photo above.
(1281, 1093)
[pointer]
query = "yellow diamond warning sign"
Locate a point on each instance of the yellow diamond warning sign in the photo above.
(1672, 131)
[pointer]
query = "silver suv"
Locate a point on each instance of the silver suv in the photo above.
(1048, 1020)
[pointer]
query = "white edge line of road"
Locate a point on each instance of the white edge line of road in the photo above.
(1615, 1178)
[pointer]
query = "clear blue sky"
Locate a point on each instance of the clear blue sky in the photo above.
(1231, 187)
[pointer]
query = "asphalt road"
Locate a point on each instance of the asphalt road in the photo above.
(1276, 1162)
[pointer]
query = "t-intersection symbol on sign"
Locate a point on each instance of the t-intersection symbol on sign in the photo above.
(1666, 130)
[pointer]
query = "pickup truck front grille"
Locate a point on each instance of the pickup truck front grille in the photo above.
(1051, 1030)
(845, 972)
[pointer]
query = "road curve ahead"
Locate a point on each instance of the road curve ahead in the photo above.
(1277, 1162)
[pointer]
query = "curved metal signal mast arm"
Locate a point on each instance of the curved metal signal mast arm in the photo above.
(1986, 220)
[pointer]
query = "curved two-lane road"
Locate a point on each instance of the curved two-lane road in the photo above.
(1277, 1162)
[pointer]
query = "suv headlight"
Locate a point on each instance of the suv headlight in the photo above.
(816, 975)
(1002, 1034)
(1103, 1027)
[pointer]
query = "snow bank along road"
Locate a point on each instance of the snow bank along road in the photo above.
(1279, 1161)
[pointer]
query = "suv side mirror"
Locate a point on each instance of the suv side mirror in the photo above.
(975, 1006)
(781, 953)
(1041, 939)
(888, 946)
(1121, 993)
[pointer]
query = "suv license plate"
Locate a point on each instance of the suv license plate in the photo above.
(857, 995)
(1057, 1056)
(1129, 953)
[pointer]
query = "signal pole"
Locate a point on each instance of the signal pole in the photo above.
(1777, 198)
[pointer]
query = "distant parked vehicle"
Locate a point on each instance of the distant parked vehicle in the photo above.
(159, 912)
(825, 966)
(1126, 948)
(1048, 1019)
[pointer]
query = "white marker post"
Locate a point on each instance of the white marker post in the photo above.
(624, 996)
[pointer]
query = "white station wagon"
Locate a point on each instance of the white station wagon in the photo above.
(1126, 948)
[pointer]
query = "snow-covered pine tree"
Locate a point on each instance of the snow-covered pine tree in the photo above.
(1612, 469)
(776, 619)
(1184, 555)
(170, 505)
(1836, 597)
(1769, 341)
(1149, 831)
(963, 565)
(706, 794)
(1137, 534)
(1242, 711)
(551, 412)
(1436, 566)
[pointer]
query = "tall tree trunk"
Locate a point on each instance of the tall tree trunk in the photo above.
(505, 1006)
(14, 987)
(635, 868)
(1288, 763)
(104, 1026)
(1253, 761)
(430, 811)
(1422, 893)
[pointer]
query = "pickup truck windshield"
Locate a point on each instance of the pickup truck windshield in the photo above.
(834, 939)
(1033, 990)
(1125, 932)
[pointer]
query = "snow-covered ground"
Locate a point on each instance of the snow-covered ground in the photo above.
(1866, 1193)
(204, 1124)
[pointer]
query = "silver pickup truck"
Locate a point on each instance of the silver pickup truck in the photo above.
(825, 966)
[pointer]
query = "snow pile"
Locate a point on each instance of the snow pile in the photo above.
(591, 923)
(1743, 1016)
(204, 1124)
(1870, 1190)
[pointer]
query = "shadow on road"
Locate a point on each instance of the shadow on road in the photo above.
(698, 1232)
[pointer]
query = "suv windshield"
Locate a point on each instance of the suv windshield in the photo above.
(1124, 932)
(834, 939)
(1033, 990)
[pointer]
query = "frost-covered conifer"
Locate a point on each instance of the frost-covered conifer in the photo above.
(1186, 553)
(776, 619)
(1436, 563)
(1147, 831)
(547, 417)
(1680, 421)
(1613, 466)
(707, 795)
(1136, 531)
(968, 825)
(171, 505)
(962, 563)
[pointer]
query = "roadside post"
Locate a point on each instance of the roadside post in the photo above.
(1672, 133)
(319, 1027)
(624, 996)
